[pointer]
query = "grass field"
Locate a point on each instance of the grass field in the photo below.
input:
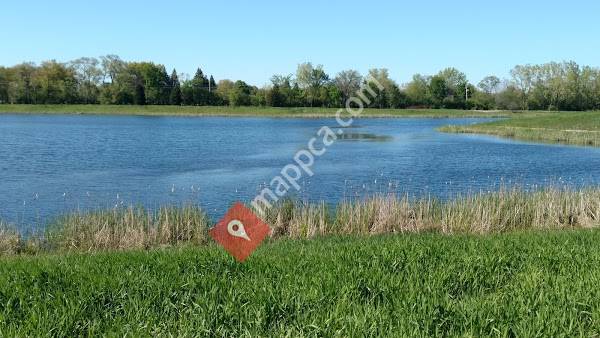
(577, 128)
(529, 284)
(236, 111)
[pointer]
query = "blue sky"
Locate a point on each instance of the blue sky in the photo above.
(252, 40)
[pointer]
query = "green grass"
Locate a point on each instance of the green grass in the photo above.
(576, 128)
(528, 284)
(234, 111)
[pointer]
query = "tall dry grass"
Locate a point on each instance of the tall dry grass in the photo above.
(130, 228)
(501, 211)
(10, 240)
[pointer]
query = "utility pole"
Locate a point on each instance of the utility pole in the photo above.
(209, 84)
(467, 92)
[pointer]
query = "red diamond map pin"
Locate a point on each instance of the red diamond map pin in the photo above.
(240, 231)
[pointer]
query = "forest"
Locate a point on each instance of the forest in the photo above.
(111, 80)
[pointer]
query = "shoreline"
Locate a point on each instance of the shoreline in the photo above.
(137, 228)
(226, 111)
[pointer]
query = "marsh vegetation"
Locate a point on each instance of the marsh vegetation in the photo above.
(134, 228)
(581, 128)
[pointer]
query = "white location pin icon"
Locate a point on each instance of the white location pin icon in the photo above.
(239, 232)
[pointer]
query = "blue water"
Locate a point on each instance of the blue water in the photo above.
(50, 165)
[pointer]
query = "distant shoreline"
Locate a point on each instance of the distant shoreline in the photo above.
(226, 111)
(572, 128)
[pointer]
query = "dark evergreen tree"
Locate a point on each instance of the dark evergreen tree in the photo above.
(176, 97)
(200, 88)
(273, 97)
(165, 86)
(398, 98)
(213, 97)
(140, 93)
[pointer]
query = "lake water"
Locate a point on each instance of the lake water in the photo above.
(54, 164)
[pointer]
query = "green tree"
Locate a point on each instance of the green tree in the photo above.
(6, 81)
(418, 91)
(199, 85)
(398, 98)
(55, 83)
(509, 99)
(258, 96)
(390, 94)
(89, 75)
(212, 84)
(456, 83)
(439, 90)
(112, 67)
(224, 88)
(311, 80)
(287, 95)
(213, 97)
(333, 96)
(348, 83)
(155, 81)
(239, 95)
(117, 84)
(175, 97)
(489, 84)
(552, 86)
(273, 97)
(523, 81)
(485, 99)
(23, 77)
(140, 92)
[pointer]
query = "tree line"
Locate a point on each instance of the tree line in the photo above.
(111, 80)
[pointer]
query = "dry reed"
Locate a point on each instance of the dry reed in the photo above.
(10, 240)
(495, 212)
(501, 211)
(130, 228)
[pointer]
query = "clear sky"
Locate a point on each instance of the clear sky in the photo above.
(252, 40)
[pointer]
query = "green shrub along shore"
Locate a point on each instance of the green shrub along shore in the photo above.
(483, 264)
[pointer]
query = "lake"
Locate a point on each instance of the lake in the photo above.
(54, 164)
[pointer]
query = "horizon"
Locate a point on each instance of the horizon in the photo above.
(485, 45)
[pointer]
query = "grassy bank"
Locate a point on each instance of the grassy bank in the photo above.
(324, 272)
(496, 212)
(524, 284)
(235, 111)
(576, 128)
